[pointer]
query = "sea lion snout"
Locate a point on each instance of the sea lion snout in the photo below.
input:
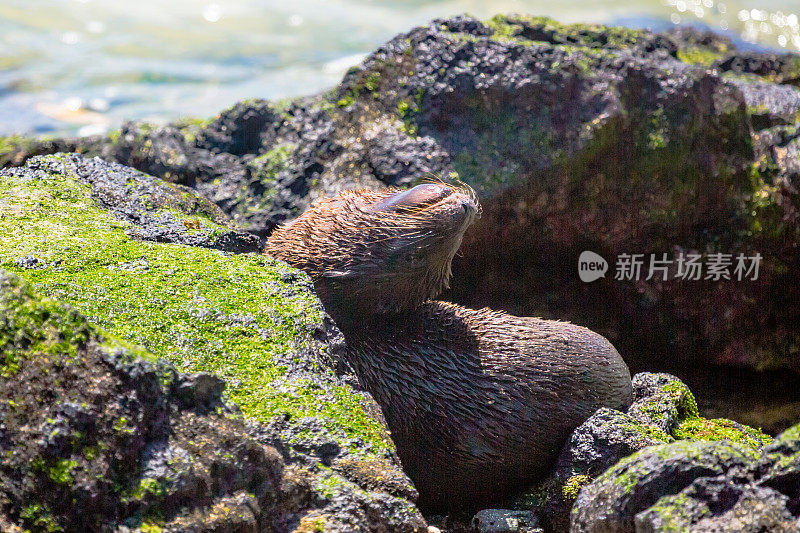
(472, 210)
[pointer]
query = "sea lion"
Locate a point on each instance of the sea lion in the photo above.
(478, 402)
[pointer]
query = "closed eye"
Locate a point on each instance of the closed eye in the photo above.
(415, 197)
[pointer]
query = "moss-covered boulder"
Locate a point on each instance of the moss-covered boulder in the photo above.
(595, 446)
(664, 411)
(715, 504)
(779, 466)
(636, 483)
(697, 487)
(96, 434)
(75, 230)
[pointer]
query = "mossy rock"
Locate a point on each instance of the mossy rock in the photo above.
(666, 405)
(639, 481)
(779, 464)
(664, 411)
(532, 29)
(717, 504)
(97, 435)
(697, 486)
(576, 137)
(251, 320)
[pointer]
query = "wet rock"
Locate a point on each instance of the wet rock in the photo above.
(664, 410)
(241, 129)
(779, 163)
(764, 497)
(717, 504)
(237, 514)
(16, 149)
(561, 129)
(201, 390)
(700, 46)
(399, 160)
(601, 441)
(779, 467)
(596, 445)
(156, 150)
(661, 401)
(611, 502)
(504, 521)
(79, 417)
(145, 444)
(95, 438)
(781, 68)
(770, 104)
(157, 210)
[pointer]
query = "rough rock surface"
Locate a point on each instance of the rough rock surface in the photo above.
(159, 211)
(664, 410)
(93, 437)
(298, 449)
(594, 447)
(697, 486)
(716, 504)
(779, 467)
(636, 483)
(562, 129)
(504, 521)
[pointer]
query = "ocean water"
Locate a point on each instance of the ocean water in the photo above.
(79, 67)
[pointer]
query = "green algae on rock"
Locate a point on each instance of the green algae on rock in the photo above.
(95, 438)
(697, 487)
(545, 120)
(637, 482)
(243, 317)
(715, 504)
(664, 411)
(667, 406)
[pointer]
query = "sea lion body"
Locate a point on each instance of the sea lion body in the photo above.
(479, 402)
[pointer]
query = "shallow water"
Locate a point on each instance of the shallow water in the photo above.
(83, 66)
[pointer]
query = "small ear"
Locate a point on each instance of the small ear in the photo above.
(338, 274)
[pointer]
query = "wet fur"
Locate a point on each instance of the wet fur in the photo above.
(479, 402)
(365, 262)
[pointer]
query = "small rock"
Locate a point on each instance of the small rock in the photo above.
(200, 390)
(661, 401)
(504, 521)
(30, 262)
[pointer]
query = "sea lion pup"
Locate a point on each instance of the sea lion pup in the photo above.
(479, 402)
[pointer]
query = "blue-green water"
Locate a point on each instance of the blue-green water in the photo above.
(82, 66)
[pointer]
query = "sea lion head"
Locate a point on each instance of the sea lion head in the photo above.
(372, 252)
